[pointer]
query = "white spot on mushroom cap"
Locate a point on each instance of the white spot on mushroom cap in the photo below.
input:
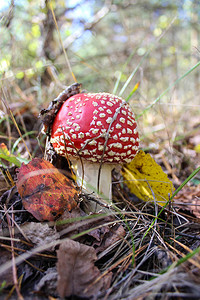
(99, 123)
(94, 130)
(122, 120)
(116, 145)
(124, 138)
(94, 103)
(92, 159)
(111, 153)
(118, 126)
(93, 142)
(109, 120)
(132, 140)
(135, 148)
(127, 160)
(100, 147)
(81, 135)
(102, 115)
(129, 123)
(129, 131)
(92, 123)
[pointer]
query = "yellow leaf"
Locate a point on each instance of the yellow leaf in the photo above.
(146, 179)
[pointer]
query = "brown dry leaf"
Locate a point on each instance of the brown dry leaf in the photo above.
(46, 193)
(189, 198)
(116, 233)
(40, 234)
(77, 272)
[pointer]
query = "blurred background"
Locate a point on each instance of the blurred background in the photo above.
(136, 49)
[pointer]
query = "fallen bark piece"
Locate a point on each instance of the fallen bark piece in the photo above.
(77, 274)
(46, 193)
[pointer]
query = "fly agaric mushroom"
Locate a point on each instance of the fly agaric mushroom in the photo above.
(97, 131)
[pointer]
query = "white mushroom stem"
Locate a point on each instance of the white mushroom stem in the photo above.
(88, 180)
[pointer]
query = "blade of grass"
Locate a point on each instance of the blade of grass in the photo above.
(144, 57)
(185, 182)
(13, 119)
(19, 140)
(171, 198)
(133, 91)
(167, 90)
(63, 48)
(117, 83)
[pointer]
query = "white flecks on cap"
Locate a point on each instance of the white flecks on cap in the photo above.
(109, 111)
(99, 123)
(92, 123)
(129, 123)
(100, 147)
(102, 115)
(81, 135)
(118, 126)
(117, 145)
(93, 142)
(124, 138)
(94, 130)
(123, 112)
(109, 120)
(132, 140)
(111, 153)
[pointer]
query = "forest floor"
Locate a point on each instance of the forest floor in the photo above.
(137, 251)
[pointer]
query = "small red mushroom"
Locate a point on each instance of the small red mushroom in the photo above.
(99, 128)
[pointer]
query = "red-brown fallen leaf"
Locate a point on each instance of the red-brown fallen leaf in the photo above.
(77, 274)
(46, 193)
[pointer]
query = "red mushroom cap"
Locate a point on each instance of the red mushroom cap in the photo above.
(89, 124)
